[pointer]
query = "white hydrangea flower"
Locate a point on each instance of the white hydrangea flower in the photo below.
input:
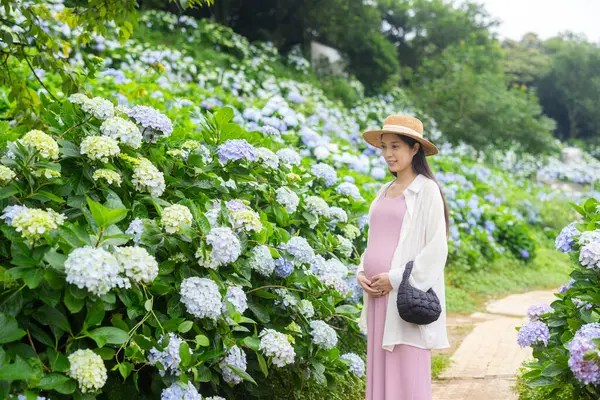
(108, 175)
(214, 398)
(175, 218)
(153, 122)
(98, 107)
(276, 345)
(246, 219)
(306, 308)
(201, 297)
(588, 237)
(99, 148)
(236, 357)
(262, 260)
(45, 173)
(43, 143)
(351, 231)
(316, 205)
(332, 273)
(137, 264)
(206, 261)
(176, 392)
(78, 98)
(94, 269)
(194, 145)
(88, 369)
(288, 199)
(589, 255)
(298, 247)
(323, 335)
(349, 189)
(289, 156)
(226, 246)
(268, 158)
(10, 213)
(169, 357)
(178, 153)
(32, 223)
(345, 246)
(147, 178)
(357, 365)
(136, 227)
(236, 296)
(123, 130)
(337, 215)
(6, 175)
(286, 298)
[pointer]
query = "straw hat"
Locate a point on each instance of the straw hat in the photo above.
(402, 125)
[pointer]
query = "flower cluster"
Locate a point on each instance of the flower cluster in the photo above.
(337, 215)
(94, 269)
(262, 260)
(533, 333)
(108, 175)
(147, 178)
(306, 308)
(100, 148)
(125, 131)
(236, 357)
(236, 149)
(299, 248)
(96, 106)
(42, 143)
(136, 228)
(201, 297)
(288, 199)
(289, 156)
(236, 296)
(349, 189)
(325, 172)
(589, 255)
(323, 334)
(169, 357)
(175, 218)
(535, 311)
(316, 205)
(586, 370)
(88, 369)
(267, 157)
(276, 345)
(6, 175)
(287, 299)
(154, 123)
(245, 219)
(565, 240)
(357, 365)
(283, 267)
(137, 264)
(176, 392)
(45, 173)
(226, 247)
(32, 223)
(331, 273)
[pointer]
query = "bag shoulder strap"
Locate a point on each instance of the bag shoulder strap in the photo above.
(407, 270)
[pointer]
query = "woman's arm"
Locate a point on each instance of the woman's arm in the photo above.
(431, 260)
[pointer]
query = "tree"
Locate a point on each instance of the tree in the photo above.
(524, 61)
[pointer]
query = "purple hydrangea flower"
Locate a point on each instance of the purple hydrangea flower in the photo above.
(236, 205)
(524, 254)
(325, 172)
(564, 288)
(236, 149)
(153, 123)
(534, 311)
(586, 371)
(564, 241)
(283, 267)
(535, 332)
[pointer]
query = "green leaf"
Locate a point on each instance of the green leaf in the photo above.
(262, 364)
(8, 191)
(107, 334)
(9, 329)
(347, 309)
(21, 370)
(223, 116)
(52, 381)
(106, 353)
(553, 370)
(51, 316)
(56, 260)
(202, 340)
(144, 343)
(105, 216)
(125, 369)
(47, 196)
(252, 342)
(95, 314)
(33, 277)
(203, 374)
(185, 326)
(185, 354)
(73, 304)
(58, 361)
(243, 374)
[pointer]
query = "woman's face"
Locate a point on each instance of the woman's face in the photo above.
(397, 153)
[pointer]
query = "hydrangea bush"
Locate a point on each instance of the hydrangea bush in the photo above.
(187, 276)
(565, 335)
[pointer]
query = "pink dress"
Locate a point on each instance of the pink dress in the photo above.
(405, 372)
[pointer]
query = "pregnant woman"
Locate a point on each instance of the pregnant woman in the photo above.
(408, 221)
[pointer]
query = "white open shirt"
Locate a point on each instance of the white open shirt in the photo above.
(422, 239)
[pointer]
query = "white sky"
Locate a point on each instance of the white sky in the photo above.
(545, 17)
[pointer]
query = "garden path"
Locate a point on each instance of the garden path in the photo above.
(484, 365)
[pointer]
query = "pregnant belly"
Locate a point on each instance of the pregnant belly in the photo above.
(377, 262)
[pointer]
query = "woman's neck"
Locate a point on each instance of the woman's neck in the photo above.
(405, 178)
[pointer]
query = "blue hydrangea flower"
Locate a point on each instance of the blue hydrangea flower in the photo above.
(535, 310)
(535, 332)
(524, 254)
(563, 289)
(586, 371)
(565, 240)
(325, 172)
(236, 149)
(357, 365)
(283, 267)
(378, 173)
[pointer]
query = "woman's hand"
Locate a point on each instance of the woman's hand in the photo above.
(365, 283)
(381, 283)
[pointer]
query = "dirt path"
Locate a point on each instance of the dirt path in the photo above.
(484, 364)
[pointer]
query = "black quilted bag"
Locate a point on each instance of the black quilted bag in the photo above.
(414, 305)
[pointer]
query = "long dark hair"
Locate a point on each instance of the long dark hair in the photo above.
(420, 165)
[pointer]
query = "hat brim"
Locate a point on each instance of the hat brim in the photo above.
(374, 139)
